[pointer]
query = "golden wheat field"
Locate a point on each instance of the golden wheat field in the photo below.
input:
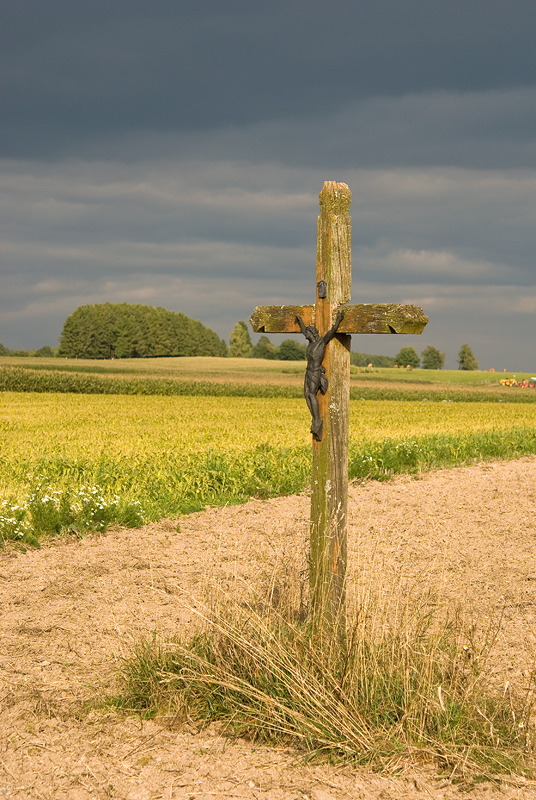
(133, 458)
(38, 425)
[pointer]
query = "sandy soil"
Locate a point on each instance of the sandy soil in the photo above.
(71, 610)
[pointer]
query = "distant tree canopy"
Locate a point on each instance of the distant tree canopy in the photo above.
(432, 358)
(466, 359)
(288, 350)
(364, 359)
(291, 350)
(45, 352)
(264, 349)
(240, 341)
(408, 357)
(123, 330)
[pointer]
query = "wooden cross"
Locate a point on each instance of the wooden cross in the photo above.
(329, 486)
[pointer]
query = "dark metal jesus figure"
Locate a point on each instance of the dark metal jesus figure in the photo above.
(315, 374)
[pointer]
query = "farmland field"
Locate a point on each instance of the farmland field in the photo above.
(75, 426)
(249, 369)
(146, 457)
(247, 377)
(71, 463)
(252, 370)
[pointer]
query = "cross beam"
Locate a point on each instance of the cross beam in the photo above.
(363, 318)
(329, 485)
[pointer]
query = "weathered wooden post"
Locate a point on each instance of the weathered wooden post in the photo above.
(329, 486)
(329, 474)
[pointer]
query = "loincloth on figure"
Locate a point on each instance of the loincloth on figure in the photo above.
(315, 380)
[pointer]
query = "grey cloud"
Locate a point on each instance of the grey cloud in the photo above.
(497, 322)
(159, 203)
(457, 241)
(481, 218)
(105, 219)
(76, 72)
(482, 130)
(172, 153)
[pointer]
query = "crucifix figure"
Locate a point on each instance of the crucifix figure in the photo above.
(315, 374)
(327, 392)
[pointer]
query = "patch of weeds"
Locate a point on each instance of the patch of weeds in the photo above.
(382, 459)
(49, 510)
(14, 524)
(412, 687)
(52, 512)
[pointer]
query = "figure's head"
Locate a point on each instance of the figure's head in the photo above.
(311, 333)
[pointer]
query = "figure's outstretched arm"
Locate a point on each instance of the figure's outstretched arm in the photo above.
(299, 320)
(332, 331)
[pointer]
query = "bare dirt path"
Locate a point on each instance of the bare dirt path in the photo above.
(71, 610)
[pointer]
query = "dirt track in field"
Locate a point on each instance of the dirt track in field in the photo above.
(72, 609)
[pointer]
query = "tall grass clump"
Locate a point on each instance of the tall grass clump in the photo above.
(168, 484)
(171, 482)
(408, 684)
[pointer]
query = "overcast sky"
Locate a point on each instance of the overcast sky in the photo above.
(171, 152)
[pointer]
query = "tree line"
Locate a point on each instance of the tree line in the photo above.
(43, 352)
(240, 346)
(291, 350)
(432, 358)
(124, 330)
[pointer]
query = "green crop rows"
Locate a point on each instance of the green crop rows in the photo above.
(148, 457)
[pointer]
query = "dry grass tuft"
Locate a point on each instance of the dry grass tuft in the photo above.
(410, 683)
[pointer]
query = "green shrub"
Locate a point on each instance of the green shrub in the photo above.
(290, 350)
(408, 357)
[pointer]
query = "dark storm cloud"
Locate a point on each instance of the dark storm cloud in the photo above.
(76, 72)
(487, 130)
(216, 239)
(171, 152)
(188, 217)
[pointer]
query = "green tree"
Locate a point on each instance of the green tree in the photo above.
(3, 350)
(432, 358)
(240, 341)
(408, 357)
(290, 350)
(359, 359)
(264, 349)
(45, 352)
(123, 330)
(466, 359)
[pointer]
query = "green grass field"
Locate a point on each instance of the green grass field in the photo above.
(91, 427)
(148, 457)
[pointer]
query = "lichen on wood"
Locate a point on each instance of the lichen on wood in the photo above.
(281, 319)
